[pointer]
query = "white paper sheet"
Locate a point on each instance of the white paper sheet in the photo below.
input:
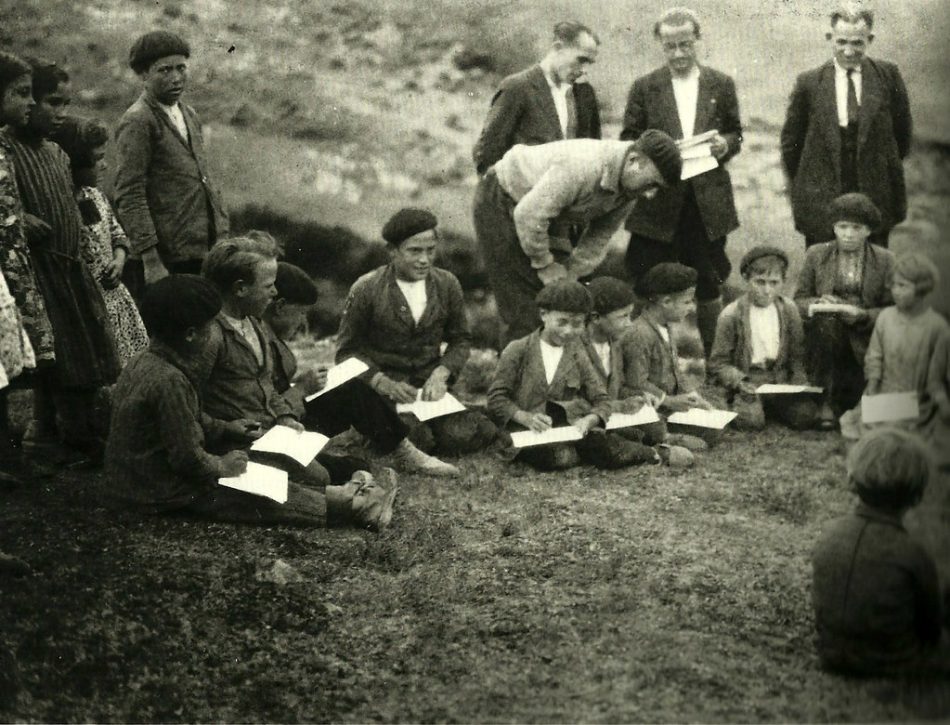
(783, 389)
(341, 373)
(261, 481)
(700, 138)
(889, 407)
(646, 414)
(302, 446)
(526, 438)
(695, 167)
(697, 152)
(828, 308)
(717, 419)
(428, 409)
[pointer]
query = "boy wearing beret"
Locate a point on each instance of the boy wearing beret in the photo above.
(546, 379)
(157, 457)
(854, 275)
(354, 403)
(651, 363)
(407, 322)
(759, 339)
(165, 197)
(530, 205)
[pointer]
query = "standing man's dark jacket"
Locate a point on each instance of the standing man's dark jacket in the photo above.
(522, 111)
(163, 191)
(811, 146)
(651, 104)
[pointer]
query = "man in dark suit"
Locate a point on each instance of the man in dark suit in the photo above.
(167, 203)
(549, 101)
(686, 222)
(847, 129)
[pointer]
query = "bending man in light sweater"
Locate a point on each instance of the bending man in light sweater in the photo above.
(527, 205)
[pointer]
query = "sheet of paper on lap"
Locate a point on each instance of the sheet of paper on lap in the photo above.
(717, 419)
(302, 446)
(260, 480)
(646, 415)
(785, 389)
(562, 434)
(428, 409)
(889, 407)
(341, 373)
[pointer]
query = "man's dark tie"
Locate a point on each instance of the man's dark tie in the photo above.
(571, 131)
(852, 99)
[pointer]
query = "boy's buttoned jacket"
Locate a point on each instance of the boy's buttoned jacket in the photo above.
(650, 362)
(164, 195)
(377, 327)
(520, 382)
(731, 356)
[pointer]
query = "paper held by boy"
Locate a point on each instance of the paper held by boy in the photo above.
(716, 419)
(831, 308)
(341, 373)
(697, 155)
(646, 415)
(302, 446)
(428, 409)
(889, 407)
(786, 389)
(561, 434)
(260, 480)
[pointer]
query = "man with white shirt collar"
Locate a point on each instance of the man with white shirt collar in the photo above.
(847, 129)
(165, 199)
(547, 102)
(687, 222)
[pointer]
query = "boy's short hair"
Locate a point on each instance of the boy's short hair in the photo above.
(174, 303)
(236, 259)
(667, 278)
(295, 286)
(763, 259)
(889, 468)
(609, 294)
(12, 67)
(564, 295)
(919, 269)
(260, 235)
(154, 45)
(46, 77)
(674, 17)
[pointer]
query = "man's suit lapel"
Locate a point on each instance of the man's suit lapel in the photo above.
(398, 303)
(162, 117)
(545, 101)
(871, 98)
(827, 269)
(827, 111)
(705, 102)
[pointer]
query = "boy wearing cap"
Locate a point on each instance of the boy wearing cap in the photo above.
(156, 455)
(651, 363)
(545, 379)
(354, 403)
(530, 203)
(759, 339)
(855, 275)
(875, 591)
(164, 194)
(407, 322)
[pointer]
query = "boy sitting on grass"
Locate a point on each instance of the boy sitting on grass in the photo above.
(354, 403)
(545, 380)
(875, 590)
(651, 363)
(156, 454)
(759, 339)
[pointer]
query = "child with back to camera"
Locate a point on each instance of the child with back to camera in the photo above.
(875, 590)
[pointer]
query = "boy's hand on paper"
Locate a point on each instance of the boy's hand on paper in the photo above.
(585, 424)
(538, 422)
(747, 388)
(436, 386)
(552, 273)
(873, 387)
(399, 392)
(243, 429)
(313, 380)
(698, 401)
(290, 422)
(678, 403)
(830, 299)
(232, 464)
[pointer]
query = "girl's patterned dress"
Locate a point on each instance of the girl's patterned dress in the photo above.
(99, 240)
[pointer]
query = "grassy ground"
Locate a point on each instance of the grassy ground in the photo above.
(638, 595)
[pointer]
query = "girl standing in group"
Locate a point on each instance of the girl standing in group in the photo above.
(105, 246)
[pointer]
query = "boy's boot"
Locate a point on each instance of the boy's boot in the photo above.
(409, 459)
(364, 502)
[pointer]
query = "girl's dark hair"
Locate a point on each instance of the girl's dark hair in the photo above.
(46, 77)
(12, 67)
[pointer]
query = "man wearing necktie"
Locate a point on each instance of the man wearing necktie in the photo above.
(687, 222)
(847, 129)
(549, 101)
